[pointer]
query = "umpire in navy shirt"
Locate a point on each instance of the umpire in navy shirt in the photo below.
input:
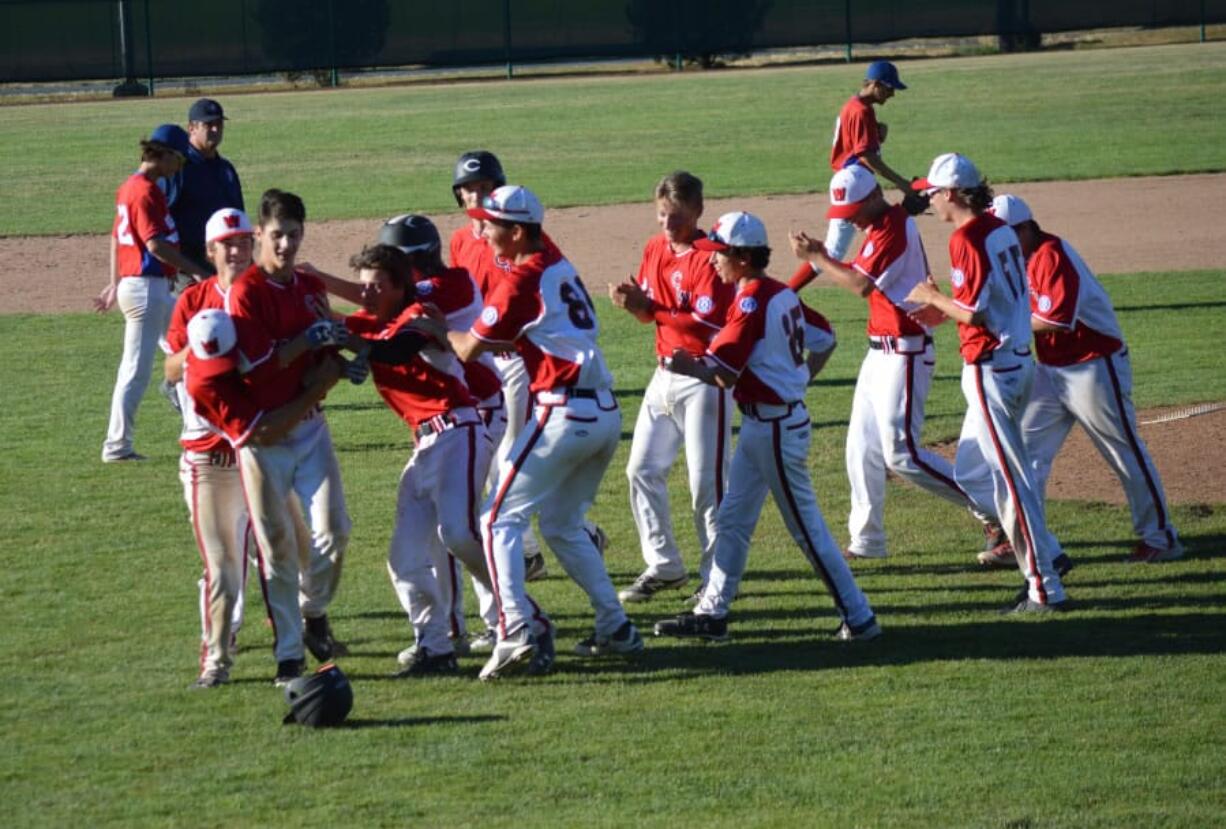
(209, 182)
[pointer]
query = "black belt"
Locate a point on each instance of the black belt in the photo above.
(991, 355)
(753, 410)
(891, 343)
(440, 423)
(582, 394)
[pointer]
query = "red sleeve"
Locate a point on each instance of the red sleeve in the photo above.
(968, 274)
(881, 249)
(512, 304)
(222, 400)
(185, 308)
(147, 215)
(245, 308)
(860, 134)
(734, 343)
(1054, 286)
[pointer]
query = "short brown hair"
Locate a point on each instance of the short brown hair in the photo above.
(385, 258)
(280, 205)
(155, 150)
(680, 187)
(758, 258)
(978, 199)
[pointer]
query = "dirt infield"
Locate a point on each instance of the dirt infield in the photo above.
(1119, 225)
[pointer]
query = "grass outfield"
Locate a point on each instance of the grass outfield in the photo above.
(1110, 716)
(375, 152)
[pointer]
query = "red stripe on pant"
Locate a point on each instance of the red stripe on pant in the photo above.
(811, 551)
(1134, 442)
(1032, 558)
(496, 504)
(911, 447)
(261, 558)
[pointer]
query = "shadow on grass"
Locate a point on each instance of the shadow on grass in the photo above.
(416, 722)
(998, 639)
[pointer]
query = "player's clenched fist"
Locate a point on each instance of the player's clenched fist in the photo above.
(326, 333)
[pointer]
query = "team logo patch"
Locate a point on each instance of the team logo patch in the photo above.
(489, 315)
(425, 287)
(704, 305)
(1044, 303)
(676, 278)
(839, 194)
(748, 305)
(869, 247)
(957, 277)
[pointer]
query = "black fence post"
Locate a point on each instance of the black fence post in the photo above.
(1202, 21)
(334, 77)
(847, 21)
(149, 48)
(506, 36)
(130, 86)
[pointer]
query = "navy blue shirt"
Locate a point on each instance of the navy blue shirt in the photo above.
(208, 184)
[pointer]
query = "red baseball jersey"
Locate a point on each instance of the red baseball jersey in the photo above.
(855, 133)
(198, 435)
(470, 251)
(455, 293)
(222, 400)
(141, 215)
(268, 314)
(692, 302)
(430, 384)
(1064, 292)
(542, 307)
(988, 274)
(893, 257)
(763, 343)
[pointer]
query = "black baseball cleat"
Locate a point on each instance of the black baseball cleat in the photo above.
(862, 632)
(694, 626)
(318, 638)
(1063, 564)
(541, 662)
(425, 663)
(287, 671)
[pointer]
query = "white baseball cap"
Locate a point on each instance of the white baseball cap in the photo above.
(734, 230)
(511, 203)
(225, 223)
(211, 339)
(848, 188)
(949, 171)
(1011, 210)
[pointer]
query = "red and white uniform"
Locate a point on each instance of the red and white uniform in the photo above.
(143, 295)
(887, 409)
(691, 304)
(556, 463)
(1084, 376)
(214, 494)
(763, 343)
(856, 133)
(988, 276)
(266, 315)
(440, 488)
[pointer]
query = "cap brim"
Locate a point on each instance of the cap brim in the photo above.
(844, 211)
(709, 244)
(214, 366)
(895, 84)
(230, 235)
(481, 213)
(923, 185)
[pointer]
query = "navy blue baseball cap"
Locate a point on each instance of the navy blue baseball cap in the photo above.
(884, 72)
(206, 110)
(172, 136)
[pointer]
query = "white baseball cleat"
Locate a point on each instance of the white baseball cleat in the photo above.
(510, 654)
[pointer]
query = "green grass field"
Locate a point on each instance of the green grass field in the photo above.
(376, 152)
(1108, 716)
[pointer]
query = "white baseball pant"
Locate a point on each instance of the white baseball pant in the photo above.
(772, 455)
(884, 432)
(1098, 395)
(996, 392)
(303, 464)
(553, 471)
(678, 411)
(146, 303)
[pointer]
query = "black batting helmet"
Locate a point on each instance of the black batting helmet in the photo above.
(321, 700)
(411, 233)
(476, 165)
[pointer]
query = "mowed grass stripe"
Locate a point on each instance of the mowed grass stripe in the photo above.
(375, 152)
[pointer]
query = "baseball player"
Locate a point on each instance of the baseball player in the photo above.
(760, 355)
(1084, 376)
(858, 137)
(477, 173)
(553, 470)
(216, 394)
(887, 410)
(144, 260)
(991, 305)
(677, 290)
(283, 322)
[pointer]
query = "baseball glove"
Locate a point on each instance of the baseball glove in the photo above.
(915, 203)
